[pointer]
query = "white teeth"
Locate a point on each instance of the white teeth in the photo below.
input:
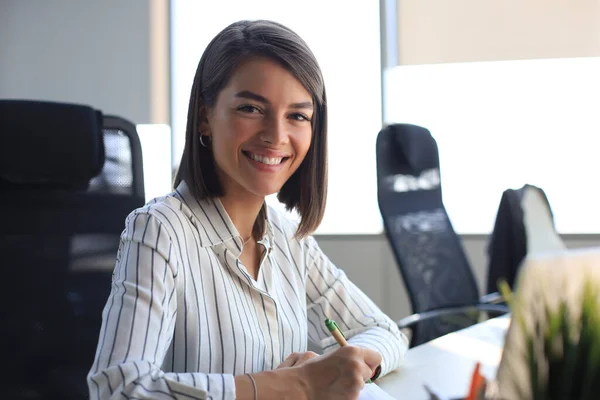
(265, 160)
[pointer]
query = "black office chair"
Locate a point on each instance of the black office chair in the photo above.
(429, 254)
(58, 239)
(524, 225)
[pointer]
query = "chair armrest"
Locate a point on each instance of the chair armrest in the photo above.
(411, 320)
(492, 298)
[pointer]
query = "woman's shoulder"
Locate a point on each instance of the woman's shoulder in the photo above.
(166, 210)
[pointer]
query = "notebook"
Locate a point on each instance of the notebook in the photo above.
(373, 392)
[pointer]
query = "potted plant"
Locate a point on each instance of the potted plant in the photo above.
(552, 348)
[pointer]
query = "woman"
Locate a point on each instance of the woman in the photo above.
(215, 294)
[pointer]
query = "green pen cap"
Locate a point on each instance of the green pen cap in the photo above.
(331, 325)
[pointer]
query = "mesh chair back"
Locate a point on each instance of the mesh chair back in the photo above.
(428, 252)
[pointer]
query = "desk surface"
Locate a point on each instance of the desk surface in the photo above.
(446, 364)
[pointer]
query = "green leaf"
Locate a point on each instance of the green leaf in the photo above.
(536, 390)
(568, 347)
(590, 343)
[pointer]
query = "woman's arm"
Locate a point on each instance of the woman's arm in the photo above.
(137, 327)
(330, 294)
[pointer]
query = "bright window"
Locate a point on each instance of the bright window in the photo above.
(154, 139)
(502, 124)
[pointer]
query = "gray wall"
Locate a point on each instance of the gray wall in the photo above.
(81, 51)
(369, 263)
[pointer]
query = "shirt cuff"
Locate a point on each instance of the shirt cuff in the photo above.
(391, 347)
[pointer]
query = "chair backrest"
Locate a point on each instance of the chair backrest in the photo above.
(524, 225)
(59, 241)
(428, 252)
(538, 221)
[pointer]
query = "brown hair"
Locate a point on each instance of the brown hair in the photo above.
(306, 190)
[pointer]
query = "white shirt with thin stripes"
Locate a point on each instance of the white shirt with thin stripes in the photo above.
(184, 316)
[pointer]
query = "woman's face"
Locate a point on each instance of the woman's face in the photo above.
(260, 128)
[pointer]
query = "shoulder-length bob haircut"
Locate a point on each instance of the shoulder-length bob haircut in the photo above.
(306, 190)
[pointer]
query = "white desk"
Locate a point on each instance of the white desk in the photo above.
(446, 364)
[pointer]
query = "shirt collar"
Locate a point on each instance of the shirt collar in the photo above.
(215, 225)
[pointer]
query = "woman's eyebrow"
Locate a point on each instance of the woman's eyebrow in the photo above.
(305, 105)
(246, 94)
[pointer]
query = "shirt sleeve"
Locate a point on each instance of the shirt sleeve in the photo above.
(138, 324)
(330, 294)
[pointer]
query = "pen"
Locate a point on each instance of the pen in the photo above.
(432, 394)
(477, 383)
(336, 332)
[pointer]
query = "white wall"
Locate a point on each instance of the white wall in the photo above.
(90, 52)
(434, 31)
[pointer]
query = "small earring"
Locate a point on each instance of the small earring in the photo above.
(202, 142)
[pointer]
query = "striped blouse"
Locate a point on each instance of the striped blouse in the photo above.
(184, 316)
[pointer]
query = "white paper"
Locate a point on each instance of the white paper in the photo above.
(373, 392)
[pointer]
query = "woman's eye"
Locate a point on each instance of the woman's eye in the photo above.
(249, 109)
(300, 117)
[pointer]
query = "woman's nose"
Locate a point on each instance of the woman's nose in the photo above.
(275, 132)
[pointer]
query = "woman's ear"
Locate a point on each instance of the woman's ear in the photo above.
(204, 126)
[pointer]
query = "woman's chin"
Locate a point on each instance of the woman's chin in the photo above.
(266, 193)
(263, 190)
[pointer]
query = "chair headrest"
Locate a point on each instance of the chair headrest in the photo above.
(408, 166)
(49, 144)
(416, 145)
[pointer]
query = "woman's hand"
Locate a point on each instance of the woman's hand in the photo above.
(340, 374)
(337, 375)
(297, 359)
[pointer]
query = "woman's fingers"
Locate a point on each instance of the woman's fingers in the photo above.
(307, 355)
(372, 358)
(297, 358)
(357, 363)
(289, 361)
(341, 373)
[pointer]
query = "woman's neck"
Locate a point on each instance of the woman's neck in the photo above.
(243, 212)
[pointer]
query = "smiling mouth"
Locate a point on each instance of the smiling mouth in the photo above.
(265, 160)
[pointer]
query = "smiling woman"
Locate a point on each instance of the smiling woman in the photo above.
(240, 80)
(216, 294)
(262, 124)
(259, 139)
